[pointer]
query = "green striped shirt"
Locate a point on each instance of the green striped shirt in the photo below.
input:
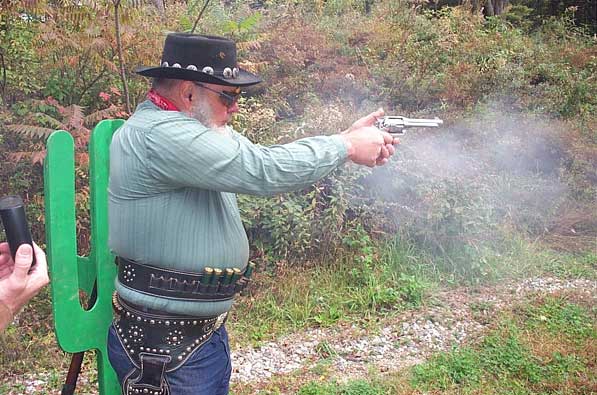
(172, 189)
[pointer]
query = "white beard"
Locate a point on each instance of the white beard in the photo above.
(201, 111)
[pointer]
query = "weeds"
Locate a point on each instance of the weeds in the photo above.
(357, 387)
(506, 359)
(511, 359)
(325, 296)
(558, 316)
(449, 369)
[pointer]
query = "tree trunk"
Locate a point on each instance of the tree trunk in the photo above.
(3, 84)
(494, 7)
(125, 86)
(160, 6)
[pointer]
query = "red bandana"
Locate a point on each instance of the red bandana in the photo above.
(161, 101)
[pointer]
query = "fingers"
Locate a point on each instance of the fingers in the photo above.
(391, 149)
(39, 274)
(387, 138)
(6, 266)
(369, 120)
(384, 153)
(381, 162)
(23, 261)
(377, 114)
(6, 262)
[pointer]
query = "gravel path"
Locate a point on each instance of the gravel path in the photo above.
(453, 317)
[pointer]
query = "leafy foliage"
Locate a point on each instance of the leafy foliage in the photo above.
(326, 62)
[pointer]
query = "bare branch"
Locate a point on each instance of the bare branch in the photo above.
(200, 15)
(121, 56)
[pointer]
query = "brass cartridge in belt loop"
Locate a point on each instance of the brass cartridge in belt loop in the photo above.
(215, 281)
(249, 270)
(225, 285)
(208, 273)
(235, 278)
(244, 281)
(237, 275)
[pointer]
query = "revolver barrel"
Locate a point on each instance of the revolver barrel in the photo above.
(423, 123)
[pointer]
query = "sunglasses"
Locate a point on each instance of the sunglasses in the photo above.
(228, 98)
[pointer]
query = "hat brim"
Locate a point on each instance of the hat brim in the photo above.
(244, 78)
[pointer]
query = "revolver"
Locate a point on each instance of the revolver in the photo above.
(395, 125)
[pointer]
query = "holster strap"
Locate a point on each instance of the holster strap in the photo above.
(149, 379)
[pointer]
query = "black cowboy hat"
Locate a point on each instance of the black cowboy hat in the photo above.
(193, 57)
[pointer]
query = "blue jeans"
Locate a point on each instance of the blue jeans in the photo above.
(206, 372)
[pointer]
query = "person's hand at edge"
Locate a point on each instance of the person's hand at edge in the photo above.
(17, 283)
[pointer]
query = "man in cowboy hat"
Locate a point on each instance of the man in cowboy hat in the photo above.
(175, 167)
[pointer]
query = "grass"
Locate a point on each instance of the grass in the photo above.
(545, 346)
(512, 257)
(399, 278)
(324, 296)
(356, 387)
(518, 354)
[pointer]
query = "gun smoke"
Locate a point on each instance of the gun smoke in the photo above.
(463, 182)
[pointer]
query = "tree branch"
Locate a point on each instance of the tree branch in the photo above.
(200, 15)
(3, 65)
(88, 86)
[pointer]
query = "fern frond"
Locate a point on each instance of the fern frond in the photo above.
(109, 64)
(253, 67)
(82, 158)
(74, 116)
(94, 5)
(99, 44)
(18, 156)
(38, 157)
(30, 130)
(99, 115)
(47, 35)
(54, 123)
(253, 45)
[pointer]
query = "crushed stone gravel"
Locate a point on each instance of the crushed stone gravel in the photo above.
(453, 317)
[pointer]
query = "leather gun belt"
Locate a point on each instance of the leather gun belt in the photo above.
(174, 284)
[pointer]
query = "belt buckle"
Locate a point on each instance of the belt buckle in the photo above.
(220, 321)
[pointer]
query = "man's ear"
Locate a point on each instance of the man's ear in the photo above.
(186, 93)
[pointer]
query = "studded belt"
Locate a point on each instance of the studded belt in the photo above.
(158, 343)
(216, 285)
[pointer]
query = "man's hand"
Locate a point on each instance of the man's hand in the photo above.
(17, 284)
(366, 144)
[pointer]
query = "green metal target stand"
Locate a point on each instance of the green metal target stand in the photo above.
(78, 329)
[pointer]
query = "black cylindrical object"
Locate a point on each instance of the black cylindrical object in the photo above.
(12, 212)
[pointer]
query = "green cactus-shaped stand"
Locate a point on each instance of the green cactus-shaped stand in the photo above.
(78, 329)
